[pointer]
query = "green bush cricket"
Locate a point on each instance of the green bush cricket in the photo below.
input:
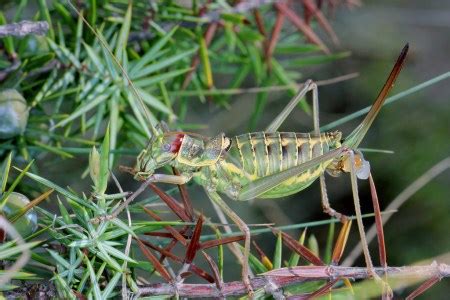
(266, 164)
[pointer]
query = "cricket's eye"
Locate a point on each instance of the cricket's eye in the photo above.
(228, 143)
(166, 147)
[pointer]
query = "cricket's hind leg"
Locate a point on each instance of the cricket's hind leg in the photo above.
(324, 195)
(309, 85)
(323, 189)
(356, 201)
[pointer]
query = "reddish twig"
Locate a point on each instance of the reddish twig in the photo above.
(274, 36)
(301, 250)
(301, 26)
(323, 290)
(185, 198)
(378, 222)
(288, 276)
(192, 267)
(173, 204)
(423, 287)
(315, 11)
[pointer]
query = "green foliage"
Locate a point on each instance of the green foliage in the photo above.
(99, 164)
(74, 87)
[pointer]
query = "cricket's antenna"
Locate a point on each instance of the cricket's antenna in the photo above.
(355, 138)
(124, 72)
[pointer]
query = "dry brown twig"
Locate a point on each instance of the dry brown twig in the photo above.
(288, 276)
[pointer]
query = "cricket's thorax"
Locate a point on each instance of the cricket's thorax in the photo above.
(261, 154)
(195, 152)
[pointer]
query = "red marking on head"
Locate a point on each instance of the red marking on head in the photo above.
(176, 143)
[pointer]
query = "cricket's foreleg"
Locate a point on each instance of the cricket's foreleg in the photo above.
(215, 197)
(370, 270)
(309, 85)
(171, 179)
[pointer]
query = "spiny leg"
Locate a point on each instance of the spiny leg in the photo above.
(346, 223)
(323, 189)
(308, 86)
(357, 205)
(234, 248)
(311, 86)
(370, 270)
(243, 228)
(315, 95)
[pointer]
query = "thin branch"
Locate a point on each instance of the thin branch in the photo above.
(423, 287)
(274, 88)
(24, 28)
(288, 276)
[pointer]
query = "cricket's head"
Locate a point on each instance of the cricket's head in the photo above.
(343, 164)
(162, 149)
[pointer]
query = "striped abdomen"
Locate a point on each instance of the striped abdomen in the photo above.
(261, 154)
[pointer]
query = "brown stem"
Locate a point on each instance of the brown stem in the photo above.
(288, 276)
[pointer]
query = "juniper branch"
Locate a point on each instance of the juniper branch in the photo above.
(287, 276)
